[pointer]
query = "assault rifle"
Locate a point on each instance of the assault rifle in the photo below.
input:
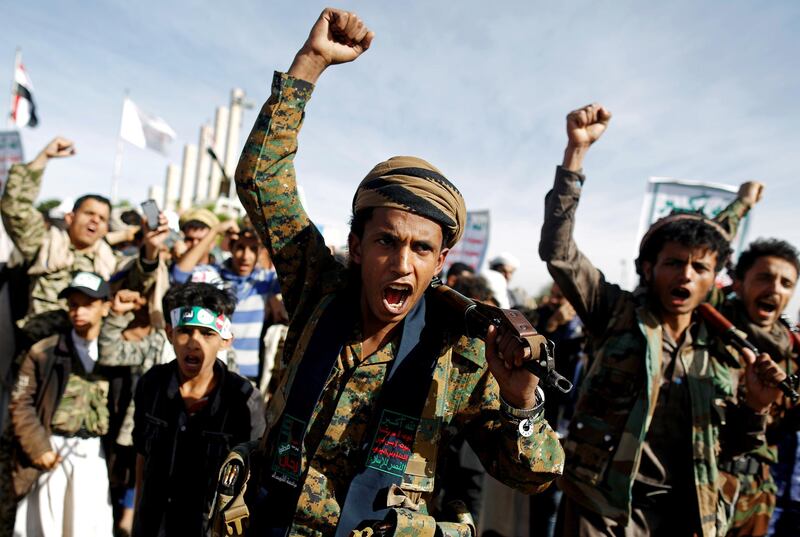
(478, 317)
(729, 335)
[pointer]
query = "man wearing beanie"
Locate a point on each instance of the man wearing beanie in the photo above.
(375, 386)
(658, 410)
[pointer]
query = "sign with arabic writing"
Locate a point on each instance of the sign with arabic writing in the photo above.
(666, 195)
(471, 249)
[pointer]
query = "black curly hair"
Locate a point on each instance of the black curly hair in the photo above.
(766, 247)
(203, 295)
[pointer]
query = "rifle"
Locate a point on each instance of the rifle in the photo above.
(729, 335)
(478, 317)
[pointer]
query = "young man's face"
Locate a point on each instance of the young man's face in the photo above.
(193, 235)
(681, 277)
(88, 224)
(86, 313)
(399, 254)
(767, 288)
(244, 255)
(196, 348)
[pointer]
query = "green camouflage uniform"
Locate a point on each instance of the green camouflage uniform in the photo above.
(757, 492)
(757, 497)
(50, 255)
(463, 395)
(618, 397)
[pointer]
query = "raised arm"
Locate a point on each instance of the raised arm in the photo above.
(265, 177)
(582, 284)
(23, 222)
(731, 216)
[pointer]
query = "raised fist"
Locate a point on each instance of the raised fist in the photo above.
(57, 148)
(587, 124)
(126, 300)
(751, 192)
(337, 37)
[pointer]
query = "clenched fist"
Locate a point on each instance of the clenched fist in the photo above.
(337, 37)
(57, 148)
(584, 127)
(750, 192)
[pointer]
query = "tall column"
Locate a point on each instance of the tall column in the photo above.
(232, 144)
(171, 186)
(187, 176)
(220, 132)
(203, 164)
(156, 192)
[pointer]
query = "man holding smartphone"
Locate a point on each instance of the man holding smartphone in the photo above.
(52, 255)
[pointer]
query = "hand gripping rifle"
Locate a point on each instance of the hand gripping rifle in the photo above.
(729, 335)
(477, 318)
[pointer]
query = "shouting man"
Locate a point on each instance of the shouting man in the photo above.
(374, 384)
(657, 410)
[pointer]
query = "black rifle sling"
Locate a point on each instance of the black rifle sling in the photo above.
(395, 421)
(285, 462)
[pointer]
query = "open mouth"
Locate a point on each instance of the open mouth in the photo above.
(681, 293)
(395, 296)
(92, 229)
(766, 306)
(192, 361)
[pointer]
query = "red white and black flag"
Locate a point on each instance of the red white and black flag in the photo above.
(23, 109)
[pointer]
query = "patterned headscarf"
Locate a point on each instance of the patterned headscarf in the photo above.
(412, 184)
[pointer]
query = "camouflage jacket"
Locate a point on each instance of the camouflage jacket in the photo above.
(617, 399)
(49, 253)
(54, 392)
(463, 395)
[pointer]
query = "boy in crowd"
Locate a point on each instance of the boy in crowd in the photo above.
(201, 229)
(189, 413)
(256, 291)
(657, 411)
(59, 412)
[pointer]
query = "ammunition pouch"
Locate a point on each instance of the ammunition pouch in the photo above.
(411, 522)
(230, 515)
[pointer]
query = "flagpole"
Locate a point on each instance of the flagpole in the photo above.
(118, 156)
(17, 60)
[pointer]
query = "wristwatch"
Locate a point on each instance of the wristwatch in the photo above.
(524, 418)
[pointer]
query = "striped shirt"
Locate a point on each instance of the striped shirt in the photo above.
(252, 295)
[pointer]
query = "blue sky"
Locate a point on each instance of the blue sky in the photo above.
(703, 91)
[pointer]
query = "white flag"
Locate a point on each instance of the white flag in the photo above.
(143, 130)
(23, 109)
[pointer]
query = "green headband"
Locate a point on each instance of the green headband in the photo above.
(198, 316)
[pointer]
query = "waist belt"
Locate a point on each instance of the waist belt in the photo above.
(80, 433)
(742, 466)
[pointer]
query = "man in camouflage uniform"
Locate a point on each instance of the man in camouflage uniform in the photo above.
(406, 217)
(53, 255)
(765, 278)
(59, 411)
(656, 411)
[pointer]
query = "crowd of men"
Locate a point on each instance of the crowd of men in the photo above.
(238, 378)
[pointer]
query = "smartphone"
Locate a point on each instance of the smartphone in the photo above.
(151, 213)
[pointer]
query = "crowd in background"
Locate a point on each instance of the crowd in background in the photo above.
(88, 385)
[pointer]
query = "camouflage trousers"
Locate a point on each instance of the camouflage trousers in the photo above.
(757, 498)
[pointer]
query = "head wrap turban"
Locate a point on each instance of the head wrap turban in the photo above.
(412, 184)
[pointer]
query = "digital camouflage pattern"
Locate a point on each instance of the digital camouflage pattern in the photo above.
(618, 396)
(49, 254)
(463, 395)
